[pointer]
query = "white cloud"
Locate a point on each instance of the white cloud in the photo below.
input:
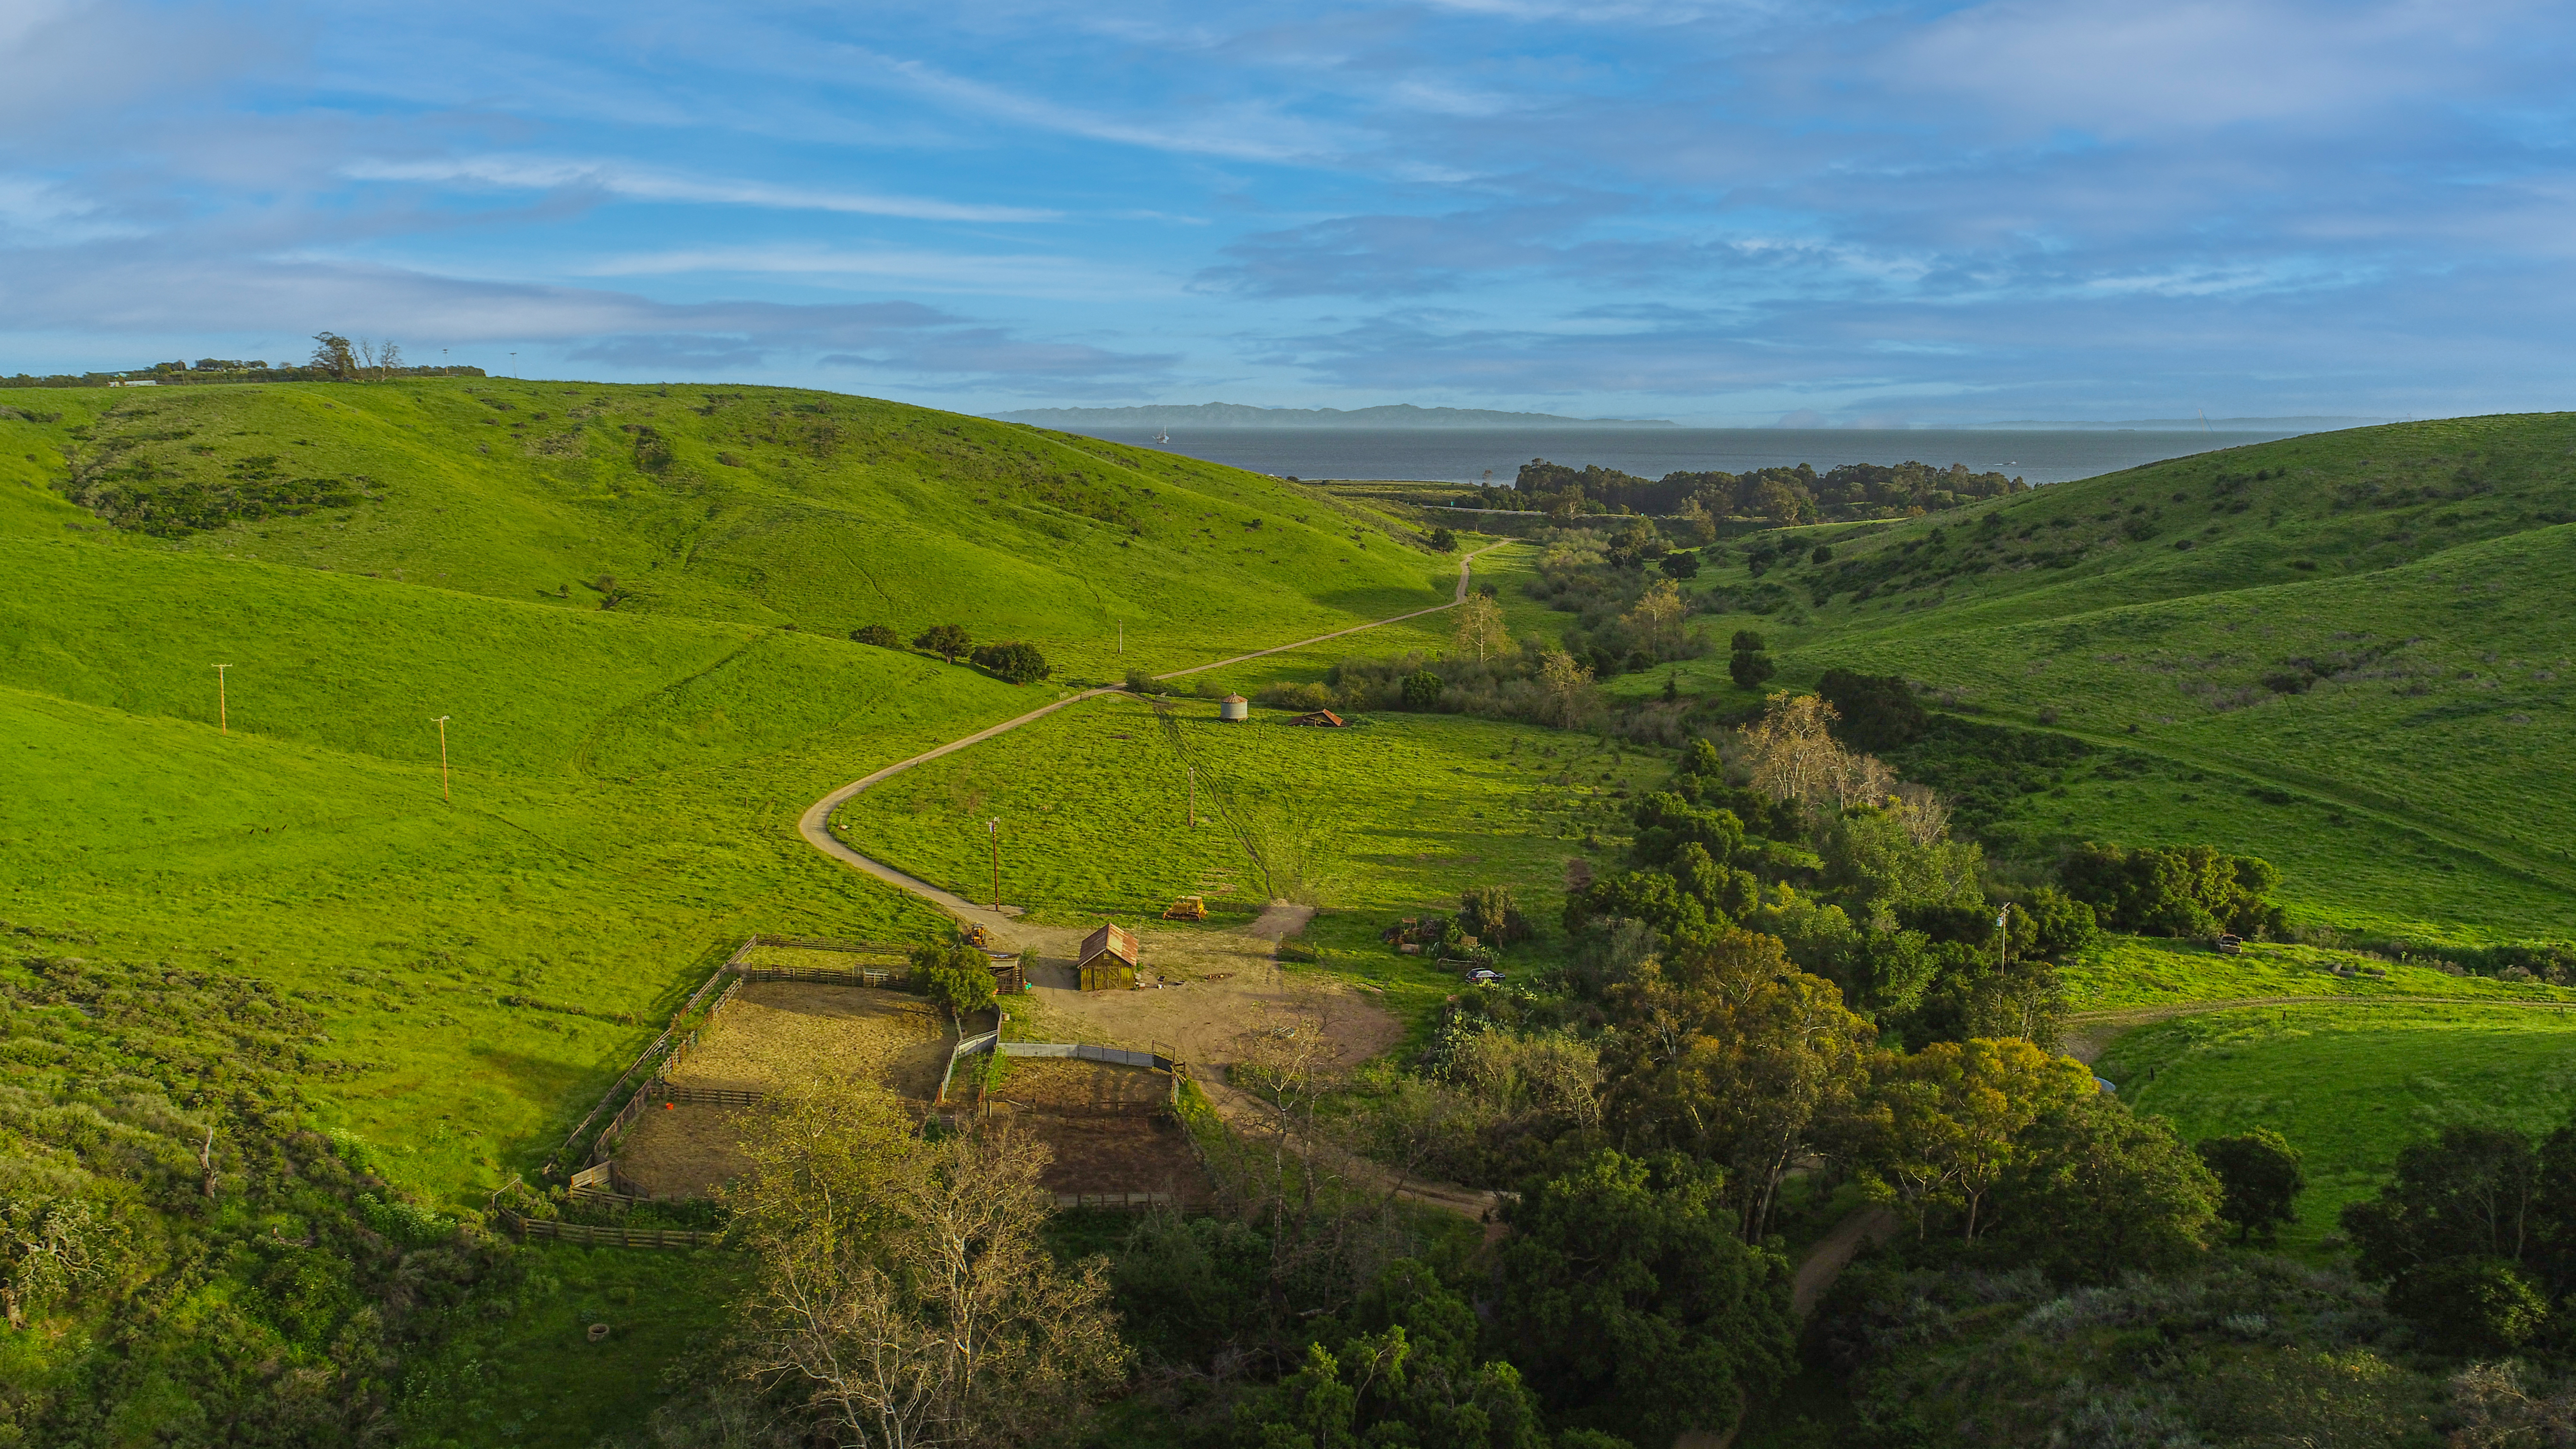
(534, 173)
(1024, 276)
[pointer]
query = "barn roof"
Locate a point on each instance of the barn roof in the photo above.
(1324, 717)
(1108, 939)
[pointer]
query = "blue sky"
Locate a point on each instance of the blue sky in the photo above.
(1723, 213)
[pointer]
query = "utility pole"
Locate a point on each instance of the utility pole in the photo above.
(223, 722)
(993, 833)
(442, 758)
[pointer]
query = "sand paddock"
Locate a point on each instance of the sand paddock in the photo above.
(777, 1032)
(685, 1151)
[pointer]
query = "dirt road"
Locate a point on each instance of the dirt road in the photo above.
(816, 823)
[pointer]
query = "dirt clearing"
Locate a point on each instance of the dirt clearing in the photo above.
(777, 1032)
(1213, 984)
(684, 1151)
(1106, 1126)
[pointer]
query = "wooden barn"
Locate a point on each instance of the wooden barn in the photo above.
(1108, 960)
(1319, 719)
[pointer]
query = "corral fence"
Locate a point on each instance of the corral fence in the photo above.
(1162, 1057)
(585, 1233)
(1132, 1202)
(663, 1056)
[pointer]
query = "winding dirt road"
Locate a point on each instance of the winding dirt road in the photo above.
(816, 823)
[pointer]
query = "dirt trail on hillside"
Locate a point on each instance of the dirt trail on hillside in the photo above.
(815, 825)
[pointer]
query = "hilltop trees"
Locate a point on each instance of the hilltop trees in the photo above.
(948, 641)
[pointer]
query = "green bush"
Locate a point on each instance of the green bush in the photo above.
(954, 975)
(2193, 891)
(881, 636)
(1422, 690)
(1013, 663)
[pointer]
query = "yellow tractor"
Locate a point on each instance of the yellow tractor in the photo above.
(1187, 908)
(979, 938)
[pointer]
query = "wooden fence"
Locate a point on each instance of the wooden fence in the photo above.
(668, 1051)
(585, 1233)
(1131, 1202)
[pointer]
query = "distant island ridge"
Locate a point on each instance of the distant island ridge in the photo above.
(1244, 415)
(1406, 415)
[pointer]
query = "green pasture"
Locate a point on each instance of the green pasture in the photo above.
(1396, 814)
(2144, 972)
(2349, 1085)
(763, 505)
(534, 1376)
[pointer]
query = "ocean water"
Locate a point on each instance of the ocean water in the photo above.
(1467, 455)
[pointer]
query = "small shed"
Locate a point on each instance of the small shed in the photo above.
(1108, 960)
(1320, 719)
(1234, 707)
(1010, 975)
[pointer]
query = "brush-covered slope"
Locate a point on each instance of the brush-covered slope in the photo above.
(2346, 652)
(765, 505)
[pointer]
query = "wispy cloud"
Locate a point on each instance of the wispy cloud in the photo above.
(637, 183)
(1739, 208)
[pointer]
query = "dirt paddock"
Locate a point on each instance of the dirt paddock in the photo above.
(684, 1151)
(778, 1032)
(1104, 1125)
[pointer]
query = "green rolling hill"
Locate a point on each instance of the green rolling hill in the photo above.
(763, 506)
(633, 605)
(2343, 652)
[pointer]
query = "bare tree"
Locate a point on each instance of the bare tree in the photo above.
(1926, 814)
(1480, 627)
(1565, 688)
(1658, 617)
(1791, 750)
(904, 1285)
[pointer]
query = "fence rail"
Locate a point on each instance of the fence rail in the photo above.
(1133, 1202)
(825, 975)
(684, 1095)
(527, 1227)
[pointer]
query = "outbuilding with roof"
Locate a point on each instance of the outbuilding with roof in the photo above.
(1108, 960)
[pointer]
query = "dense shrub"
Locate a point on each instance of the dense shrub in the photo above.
(2192, 891)
(1488, 914)
(1632, 1306)
(881, 636)
(1013, 663)
(1879, 711)
(955, 976)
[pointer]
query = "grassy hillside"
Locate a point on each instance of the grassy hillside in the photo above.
(762, 505)
(638, 639)
(2341, 652)
(2350, 1085)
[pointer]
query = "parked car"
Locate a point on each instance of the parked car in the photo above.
(1483, 975)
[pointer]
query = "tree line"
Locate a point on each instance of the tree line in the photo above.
(1782, 496)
